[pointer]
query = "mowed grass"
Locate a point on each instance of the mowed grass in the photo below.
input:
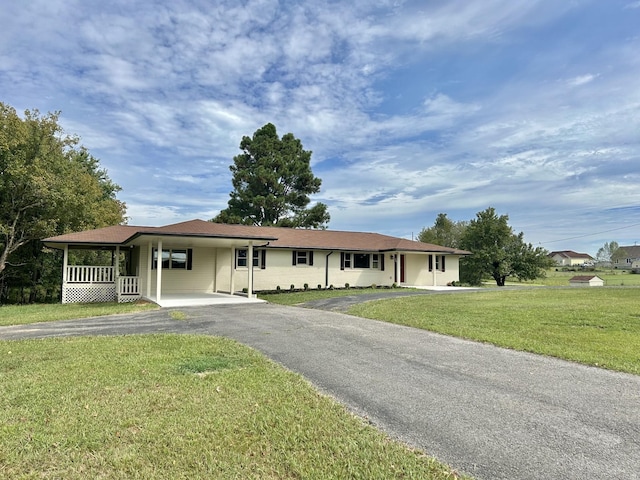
(294, 298)
(24, 314)
(179, 407)
(611, 277)
(595, 326)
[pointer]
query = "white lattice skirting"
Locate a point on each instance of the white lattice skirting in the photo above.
(88, 293)
(128, 298)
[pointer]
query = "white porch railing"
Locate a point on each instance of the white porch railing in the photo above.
(129, 285)
(98, 284)
(86, 274)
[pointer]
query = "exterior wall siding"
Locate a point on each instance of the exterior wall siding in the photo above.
(211, 271)
(200, 279)
(419, 274)
(279, 271)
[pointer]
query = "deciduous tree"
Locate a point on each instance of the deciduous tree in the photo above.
(444, 232)
(498, 252)
(610, 252)
(272, 181)
(49, 185)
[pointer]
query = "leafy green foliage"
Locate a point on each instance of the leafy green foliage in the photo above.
(272, 181)
(610, 252)
(498, 252)
(444, 232)
(49, 185)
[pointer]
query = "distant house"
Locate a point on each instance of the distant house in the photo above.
(198, 257)
(631, 257)
(569, 258)
(586, 281)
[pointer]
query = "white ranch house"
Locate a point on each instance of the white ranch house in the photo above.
(569, 258)
(199, 257)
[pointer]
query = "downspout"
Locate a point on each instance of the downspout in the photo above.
(326, 270)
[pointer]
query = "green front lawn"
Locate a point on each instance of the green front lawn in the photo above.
(47, 312)
(596, 326)
(179, 407)
(558, 277)
(294, 298)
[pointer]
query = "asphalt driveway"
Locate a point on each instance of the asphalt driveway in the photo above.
(490, 412)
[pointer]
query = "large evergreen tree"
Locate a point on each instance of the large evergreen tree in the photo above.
(498, 252)
(272, 181)
(49, 185)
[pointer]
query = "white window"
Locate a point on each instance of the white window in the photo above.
(173, 259)
(302, 257)
(361, 260)
(241, 257)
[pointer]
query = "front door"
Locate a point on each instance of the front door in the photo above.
(395, 270)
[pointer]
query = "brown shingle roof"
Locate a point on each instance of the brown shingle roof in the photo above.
(276, 236)
(631, 251)
(571, 254)
(117, 234)
(583, 278)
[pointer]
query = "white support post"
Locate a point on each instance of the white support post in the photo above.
(433, 264)
(397, 267)
(149, 268)
(116, 272)
(159, 271)
(250, 263)
(232, 280)
(65, 264)
(215, 271)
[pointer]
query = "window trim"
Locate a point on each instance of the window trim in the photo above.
(348, 261)
(439, 263)
(259, 258)
(296, 255)
(188, 264)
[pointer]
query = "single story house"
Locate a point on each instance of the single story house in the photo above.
(204, 257)
(569, 258)
(586, 281)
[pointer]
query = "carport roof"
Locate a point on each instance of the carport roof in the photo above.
(277, 237)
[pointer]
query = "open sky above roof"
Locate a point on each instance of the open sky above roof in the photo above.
(411, 108)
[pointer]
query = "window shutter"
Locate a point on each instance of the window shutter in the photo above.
(189, 258)
(443, 263)
(263, 259)
(294, 258)
(431, 263)
(310, 258)
(382, 255)
(341, 260)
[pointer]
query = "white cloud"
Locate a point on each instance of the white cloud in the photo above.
(581, 80)
(491, 103)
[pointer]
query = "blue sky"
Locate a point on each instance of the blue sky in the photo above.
(411, 108)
